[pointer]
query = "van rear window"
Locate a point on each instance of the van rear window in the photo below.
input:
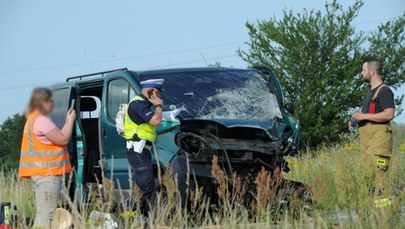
(61, 105)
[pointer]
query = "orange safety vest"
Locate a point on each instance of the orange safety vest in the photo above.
(38, 158)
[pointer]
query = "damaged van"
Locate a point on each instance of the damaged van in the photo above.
(237, 115)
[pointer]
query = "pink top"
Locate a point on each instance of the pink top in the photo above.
(42, 126)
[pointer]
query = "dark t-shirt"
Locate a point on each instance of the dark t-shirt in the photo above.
(384, 100)
(141, 111)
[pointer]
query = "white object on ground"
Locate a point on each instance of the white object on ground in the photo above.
(62, 219)
(101, 220)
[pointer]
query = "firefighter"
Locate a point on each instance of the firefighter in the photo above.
(374, 123)
(143, 114)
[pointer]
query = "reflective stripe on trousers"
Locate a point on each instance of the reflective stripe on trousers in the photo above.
(376, 149)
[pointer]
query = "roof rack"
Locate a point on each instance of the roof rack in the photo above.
(93, 74)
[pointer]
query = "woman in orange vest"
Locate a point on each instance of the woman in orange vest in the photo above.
(44, 157)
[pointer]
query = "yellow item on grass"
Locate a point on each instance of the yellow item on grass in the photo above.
(383, 202)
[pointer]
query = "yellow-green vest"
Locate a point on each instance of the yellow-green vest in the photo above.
(144, 131)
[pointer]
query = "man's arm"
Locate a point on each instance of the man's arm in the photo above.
(144, 113)
(158, 103)
(386, 102)
(385, 116)
(157, 117)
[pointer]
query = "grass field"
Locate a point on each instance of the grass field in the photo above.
(336, 175)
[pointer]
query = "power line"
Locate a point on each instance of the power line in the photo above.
(25, 86)
(151, 55)
(2, 89)
(192, 62)
(119, 59)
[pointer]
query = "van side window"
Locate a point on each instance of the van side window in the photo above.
(119, 91)
(61, 105)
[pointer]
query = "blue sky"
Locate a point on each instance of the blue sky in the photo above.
(45, 41)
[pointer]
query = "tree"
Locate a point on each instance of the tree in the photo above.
(11, 132)
(317, 57)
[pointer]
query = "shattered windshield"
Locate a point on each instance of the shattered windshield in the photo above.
(225, 94)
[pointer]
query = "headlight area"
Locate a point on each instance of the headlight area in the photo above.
(244, 158)
(233, 155)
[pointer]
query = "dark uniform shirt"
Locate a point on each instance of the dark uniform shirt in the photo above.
(140, 111)
(384, 100)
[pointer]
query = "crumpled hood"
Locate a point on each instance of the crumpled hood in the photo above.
(274, 129)
(259, 136)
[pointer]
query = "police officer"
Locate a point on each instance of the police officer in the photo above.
(374, 122)
(143, 114)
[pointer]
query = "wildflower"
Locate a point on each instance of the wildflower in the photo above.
(402, 147)
(324, 155)
(348, 147)
(128, 214)
(305, 172)
(294, 163)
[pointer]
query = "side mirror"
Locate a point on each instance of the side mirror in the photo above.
(290, 108)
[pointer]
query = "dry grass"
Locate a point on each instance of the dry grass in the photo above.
(336, 175)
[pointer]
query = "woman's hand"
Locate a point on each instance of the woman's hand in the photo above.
(71, 116)
(62, 137)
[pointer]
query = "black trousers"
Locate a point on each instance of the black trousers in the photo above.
(141, 164)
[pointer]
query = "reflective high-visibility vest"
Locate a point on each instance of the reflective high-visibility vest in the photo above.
(38, 158)
(144, 131)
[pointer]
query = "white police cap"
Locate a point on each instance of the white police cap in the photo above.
(153, 83)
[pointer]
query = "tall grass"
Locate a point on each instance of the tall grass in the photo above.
(18, 192)
(337, 177)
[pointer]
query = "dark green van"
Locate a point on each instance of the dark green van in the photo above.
(237, 114)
